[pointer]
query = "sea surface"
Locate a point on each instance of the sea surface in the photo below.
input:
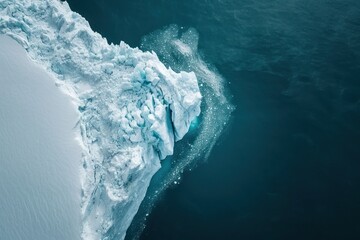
(288, 164)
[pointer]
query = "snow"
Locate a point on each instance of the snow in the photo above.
(132, 108)
(39, 156)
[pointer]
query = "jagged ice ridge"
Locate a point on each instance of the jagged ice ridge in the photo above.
(132, 108)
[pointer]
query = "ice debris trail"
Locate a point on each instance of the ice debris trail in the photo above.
(132, 108)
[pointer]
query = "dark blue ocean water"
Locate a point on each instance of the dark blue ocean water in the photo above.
(288, 165)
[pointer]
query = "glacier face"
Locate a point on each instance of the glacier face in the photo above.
(177, 47)
(132, 108)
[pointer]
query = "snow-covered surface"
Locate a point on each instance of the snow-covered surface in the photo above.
(132, 108)
(39, 156)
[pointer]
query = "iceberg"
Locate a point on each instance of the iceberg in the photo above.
(132, 108)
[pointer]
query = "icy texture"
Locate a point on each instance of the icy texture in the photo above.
(132, 107)
(178, 48)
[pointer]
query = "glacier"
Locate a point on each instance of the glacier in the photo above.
(132, 108)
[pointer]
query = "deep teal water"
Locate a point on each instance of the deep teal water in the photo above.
(288, 165)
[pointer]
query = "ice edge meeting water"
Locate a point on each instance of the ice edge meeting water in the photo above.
(132, 108)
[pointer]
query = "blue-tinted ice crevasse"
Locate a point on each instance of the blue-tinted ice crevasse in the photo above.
(132, 108)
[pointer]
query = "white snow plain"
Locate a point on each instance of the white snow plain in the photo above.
(39, 156)
(132, 108)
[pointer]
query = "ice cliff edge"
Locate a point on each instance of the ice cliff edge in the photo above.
(132, 108)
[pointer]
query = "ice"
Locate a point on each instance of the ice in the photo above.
(132, 108)
(177, 47)
(39, 156)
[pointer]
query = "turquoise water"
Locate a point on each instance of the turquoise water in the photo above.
(287, 166)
